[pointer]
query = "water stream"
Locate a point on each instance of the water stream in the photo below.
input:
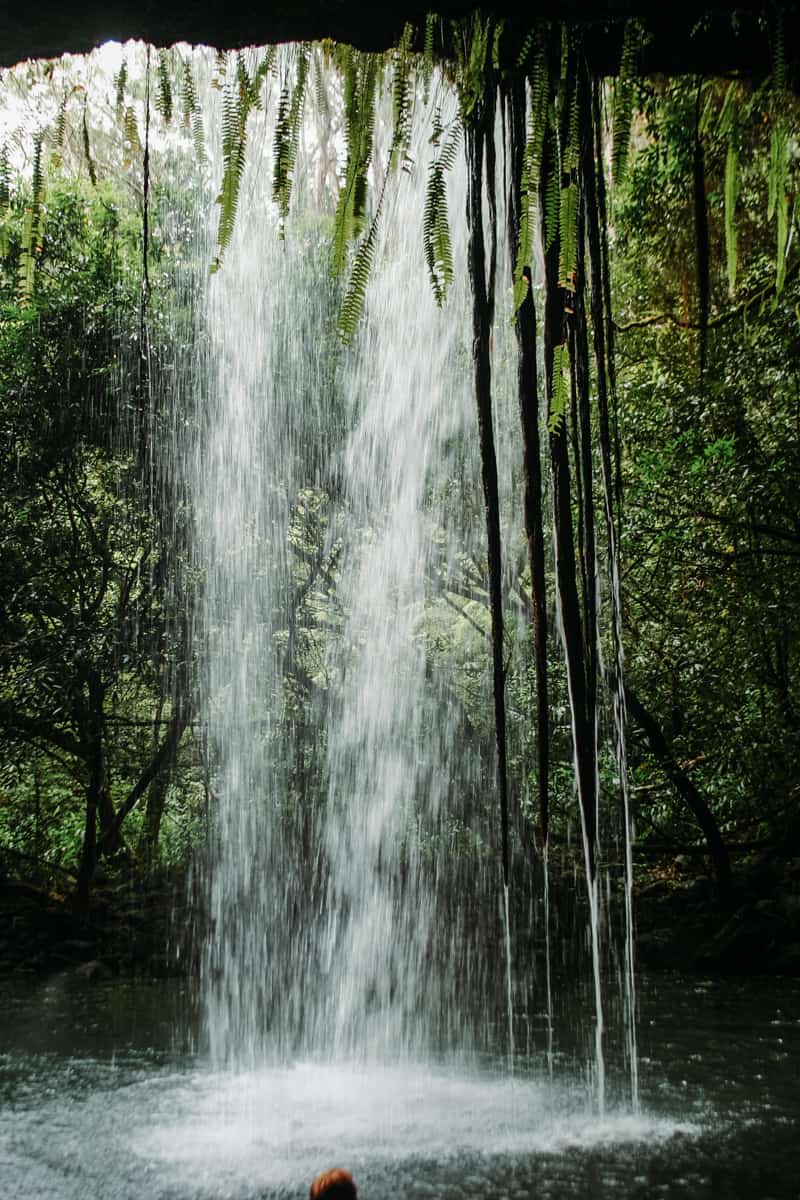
(97, 1096)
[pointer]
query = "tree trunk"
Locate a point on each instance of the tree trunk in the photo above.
(93, 743)
(683, 785)
(479, 129)
(531, 459)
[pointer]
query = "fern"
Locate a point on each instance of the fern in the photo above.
(60, 132)
(192, 115)
(360, 79)
(120, 84)
(778, 53)
(163, 101)
(559, 391)
(778, 165)
(783, 238)
(552, 201)
(431, 21)
(87, 150)
(401, 98)
(471, 42)
(623, 98)
(568, 232)
(531, 167)
(235, 111)
(355, 295)
(5, 179)
(525, 48)
(287, 136)
(5, 200)
(32, 229)
(131, 131)
(496, 36)
(435, 221)
(731, 196)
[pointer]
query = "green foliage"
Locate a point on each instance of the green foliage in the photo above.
(287, 135)
(402, 96)
(472, 39)
(552, 200)
(624, 97)
(432, 19)
(192, 114)
(731, 196)
(532, 161)
(87, 150)
(435, 222)
(360, 73)
(568, 229)
(163, 101)
(133, 144)
(560, 388)
(33, 227)
(355, 294)
(236, 105)
(120, 85)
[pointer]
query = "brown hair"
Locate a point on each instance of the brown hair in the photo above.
(335, 1184)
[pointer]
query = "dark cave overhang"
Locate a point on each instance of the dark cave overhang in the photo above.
(682, 36)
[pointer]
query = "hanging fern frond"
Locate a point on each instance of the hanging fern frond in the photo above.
(87, 150)
(496, 36)
(5, 179)
(552, 202)
(235, 111)
(120, 84)
(559, 394)
(356, 292)
(731, 197)
(624, 97)
(471, 40)
(262, 71)
(402, 93)
(188, 93)
(287, 136)
(531, 166)
(32, 228)
(778, 165)
(783, 241)
(568, 235)
(59, 134)
(525, 48)
(192, 113)
(5, 200)
(428, 46)
(131, 131)
(321, 100)
(220, 71)
(701, 237)
(360, 79)
(435, 221)
(60, 131)
(778, 53)
(163, 100)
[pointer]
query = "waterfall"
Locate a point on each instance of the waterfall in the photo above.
(352, 887)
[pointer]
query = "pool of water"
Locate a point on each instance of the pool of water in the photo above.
(100, 1097)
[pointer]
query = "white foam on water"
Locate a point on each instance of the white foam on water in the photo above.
(273, 1127)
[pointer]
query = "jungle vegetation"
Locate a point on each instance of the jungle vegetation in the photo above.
(668, 321)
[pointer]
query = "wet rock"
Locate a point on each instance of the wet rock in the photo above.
(76, 948)
(789, 907)
(745, 943)
(94, 970)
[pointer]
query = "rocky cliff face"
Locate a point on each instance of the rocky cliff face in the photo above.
(682, 37)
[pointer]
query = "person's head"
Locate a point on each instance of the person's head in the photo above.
(335, 1184)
